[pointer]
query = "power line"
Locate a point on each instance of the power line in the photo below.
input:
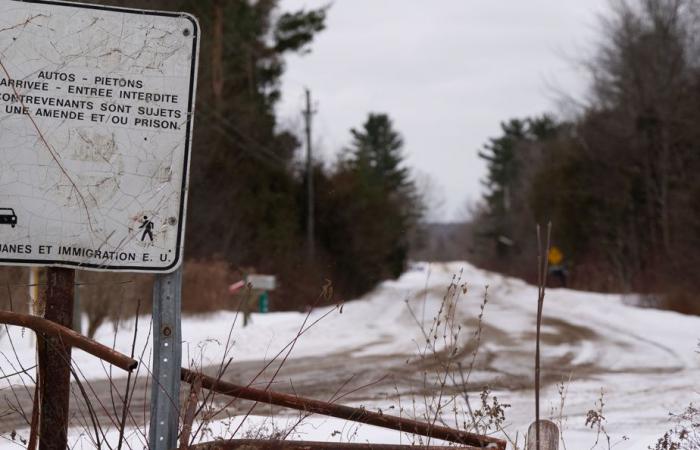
(245, 143)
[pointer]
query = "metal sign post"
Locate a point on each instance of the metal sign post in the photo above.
(167, 359)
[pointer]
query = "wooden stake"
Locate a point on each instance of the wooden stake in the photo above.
(54, 359)
(549, 436)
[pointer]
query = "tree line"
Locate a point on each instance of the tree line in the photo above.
(247, 198)
(619, 182)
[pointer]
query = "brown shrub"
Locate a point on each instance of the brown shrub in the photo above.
(685, 301)
(14, 289)
(205, 286)
(113, 296)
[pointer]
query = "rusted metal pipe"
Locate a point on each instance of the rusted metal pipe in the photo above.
(252, 444)
(343, 412)
(69, 337)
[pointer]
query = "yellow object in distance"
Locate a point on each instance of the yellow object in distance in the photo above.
(555, 256)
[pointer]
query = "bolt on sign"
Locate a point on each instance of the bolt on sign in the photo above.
(95, 132)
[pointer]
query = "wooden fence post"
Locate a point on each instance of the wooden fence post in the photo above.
(55, 360)
(549, 436)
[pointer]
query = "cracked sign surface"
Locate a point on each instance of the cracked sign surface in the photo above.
(95, 134)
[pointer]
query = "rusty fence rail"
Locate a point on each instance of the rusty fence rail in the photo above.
(360, 415)
(343, 412)
(253, 444)
(69, 337)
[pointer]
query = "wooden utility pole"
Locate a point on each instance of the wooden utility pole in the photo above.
(54, 361)
(308, 114)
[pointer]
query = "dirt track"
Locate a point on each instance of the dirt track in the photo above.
(377, 379)
(356, 379)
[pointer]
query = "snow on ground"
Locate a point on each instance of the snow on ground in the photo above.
(644, 360)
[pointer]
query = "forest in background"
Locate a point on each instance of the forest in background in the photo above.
(617, 181)
(620, 182)
(247, 204)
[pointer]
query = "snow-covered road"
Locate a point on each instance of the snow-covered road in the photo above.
(644, 360)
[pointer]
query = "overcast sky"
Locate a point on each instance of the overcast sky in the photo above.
(447, 72)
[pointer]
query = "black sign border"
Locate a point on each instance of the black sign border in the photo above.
(188, 144)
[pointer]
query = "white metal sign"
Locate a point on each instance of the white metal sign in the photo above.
(266, 282)
(95, 131)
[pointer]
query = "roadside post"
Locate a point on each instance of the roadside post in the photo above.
(77, 324)
(54, 360)
(94, 157)
(264, 302)
(167, 359)
(260, 285)
(34, 283)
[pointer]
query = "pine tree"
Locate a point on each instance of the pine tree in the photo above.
(507, 157)
(502, 166)
(373, 208)
(376, 152)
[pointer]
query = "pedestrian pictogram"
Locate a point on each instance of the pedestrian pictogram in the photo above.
(147, 226)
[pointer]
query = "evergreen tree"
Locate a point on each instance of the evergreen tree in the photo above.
(243, 181)
(376, 152)
(502, 168)
(509, 158)
(372, 209)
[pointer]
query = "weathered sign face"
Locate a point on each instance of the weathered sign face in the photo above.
(265, 282)
(95, 131)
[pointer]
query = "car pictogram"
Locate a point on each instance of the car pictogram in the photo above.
(8, 217)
